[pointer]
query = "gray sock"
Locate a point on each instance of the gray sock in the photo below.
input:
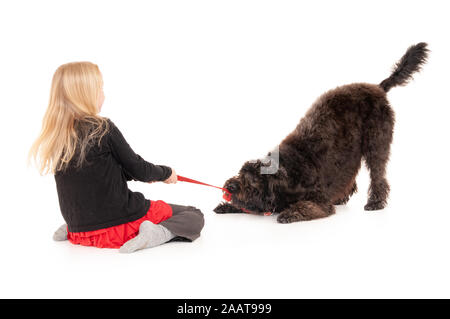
(61, 233)
(150, 235)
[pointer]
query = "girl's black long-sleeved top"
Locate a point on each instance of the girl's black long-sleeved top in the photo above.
(95, 195)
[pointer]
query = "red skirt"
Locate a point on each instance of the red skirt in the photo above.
(116, 236)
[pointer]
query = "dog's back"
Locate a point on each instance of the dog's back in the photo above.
(332, 133)
(349, 123)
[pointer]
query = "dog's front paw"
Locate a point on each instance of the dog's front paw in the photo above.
(288, 217)
(374, 205)
(225, 208)
(221, 209)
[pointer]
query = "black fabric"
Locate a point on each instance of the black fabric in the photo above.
(96, 195)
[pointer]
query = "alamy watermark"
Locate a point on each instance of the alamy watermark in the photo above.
(270, 163)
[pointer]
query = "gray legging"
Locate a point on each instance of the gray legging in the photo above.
(186, 222)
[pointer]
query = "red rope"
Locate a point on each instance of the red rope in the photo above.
(226, 192)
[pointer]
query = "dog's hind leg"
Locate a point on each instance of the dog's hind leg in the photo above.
(305, 210)
(377, 140)
(345, 198)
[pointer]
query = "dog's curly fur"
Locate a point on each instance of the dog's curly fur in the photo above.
(319, 160)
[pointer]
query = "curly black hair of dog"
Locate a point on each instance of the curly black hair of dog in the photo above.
(319, 161)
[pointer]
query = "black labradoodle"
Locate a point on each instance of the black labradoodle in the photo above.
(319, 160)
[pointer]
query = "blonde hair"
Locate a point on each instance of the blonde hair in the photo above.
(70, 123)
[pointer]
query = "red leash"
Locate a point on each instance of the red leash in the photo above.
(226, 192)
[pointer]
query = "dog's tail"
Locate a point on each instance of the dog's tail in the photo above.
(410, 63)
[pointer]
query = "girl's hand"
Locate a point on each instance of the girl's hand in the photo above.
(172, 179)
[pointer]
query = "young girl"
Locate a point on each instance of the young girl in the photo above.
(92, 162)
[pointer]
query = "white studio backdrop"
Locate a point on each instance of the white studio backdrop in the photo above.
(203, 86)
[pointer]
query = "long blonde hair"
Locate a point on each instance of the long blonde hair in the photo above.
(70, 123)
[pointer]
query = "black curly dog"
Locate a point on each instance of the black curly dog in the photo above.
(319, 160)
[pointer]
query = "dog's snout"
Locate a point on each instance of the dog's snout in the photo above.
(232, 186)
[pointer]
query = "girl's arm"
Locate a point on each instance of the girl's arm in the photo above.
(127, 175)
(134, 165)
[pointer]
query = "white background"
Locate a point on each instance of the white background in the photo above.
(203, 86)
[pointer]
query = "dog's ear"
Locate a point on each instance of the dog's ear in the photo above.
(257, 164)
(276, 184)
(250, 172)
(277, 180)
(251, 167)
